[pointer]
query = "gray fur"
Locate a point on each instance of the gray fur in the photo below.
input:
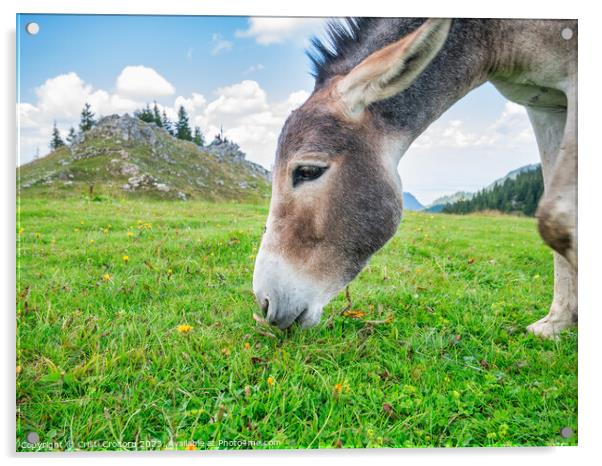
(321, 234)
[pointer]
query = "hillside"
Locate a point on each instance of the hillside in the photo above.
(513, 175)
(518, 193)
(123, 156)
(439, 204)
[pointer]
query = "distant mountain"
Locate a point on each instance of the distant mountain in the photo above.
(517, 192)
(411, 203)
(512, 175)
(124, 156)
(439, 204)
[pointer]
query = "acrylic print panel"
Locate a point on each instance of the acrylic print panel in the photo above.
(163, 302)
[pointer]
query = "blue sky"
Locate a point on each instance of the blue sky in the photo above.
(179, 47)
(246, 74)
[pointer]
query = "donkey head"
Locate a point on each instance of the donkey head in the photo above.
(336, 194)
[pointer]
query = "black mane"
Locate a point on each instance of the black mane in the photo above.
(350, 39)
(342, 35)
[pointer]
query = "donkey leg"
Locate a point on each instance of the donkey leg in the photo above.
(549, 130)
(557, 210)
(563, 312)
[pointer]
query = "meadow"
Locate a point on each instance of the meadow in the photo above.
(135, 330)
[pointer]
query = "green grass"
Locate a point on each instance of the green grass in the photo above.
(102, 365)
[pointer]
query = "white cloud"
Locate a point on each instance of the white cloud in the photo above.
(246, 115)
(511, 128)
(243, 109)
(253, 69)
(61, 99)
(220, 44)
(64, 96)
(142, 82)
(453, 156)
(242, 98)
(192, 104)
(512, 125)
(267, 31)
(28, 115)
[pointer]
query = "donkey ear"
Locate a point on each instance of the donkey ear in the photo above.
(393, 68)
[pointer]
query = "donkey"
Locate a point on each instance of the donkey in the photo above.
(336, 194)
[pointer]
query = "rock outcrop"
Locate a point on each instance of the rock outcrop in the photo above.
(135, 157)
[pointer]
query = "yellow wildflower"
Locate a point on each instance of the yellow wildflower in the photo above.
(21, 230)
(247, 345)
(270, 380)
(106, 277)
(338, 388)
(106, 231)
(190, 446)
(126, 259)
(184, 328)
(130, 234)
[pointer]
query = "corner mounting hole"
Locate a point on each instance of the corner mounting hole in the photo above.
(32, 28)
(567, 33)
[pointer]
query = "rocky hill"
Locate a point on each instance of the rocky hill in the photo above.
(124, 156)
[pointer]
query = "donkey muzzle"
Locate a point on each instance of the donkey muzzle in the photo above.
(285, 295)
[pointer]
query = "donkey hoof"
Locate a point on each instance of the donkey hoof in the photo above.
(545, 329)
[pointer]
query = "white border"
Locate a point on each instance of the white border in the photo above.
(589, 207)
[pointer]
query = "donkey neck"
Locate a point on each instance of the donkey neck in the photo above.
(462, 65)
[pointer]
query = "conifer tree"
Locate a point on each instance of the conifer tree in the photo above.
(182, 126)
(519, 194)
(167, 124)
(71, 136)
(56, 141)
(157, 116)
(198, 138)
(146, 114)
(87, 120)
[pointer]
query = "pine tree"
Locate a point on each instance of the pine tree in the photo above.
(71, 136)
(146, 114)
(157, 116)
(182, 126)
(87, 120)
(198, 138)
(167, 124)
(56, 141)
(520, 194)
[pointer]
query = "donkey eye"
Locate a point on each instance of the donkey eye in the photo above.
(307, 173)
